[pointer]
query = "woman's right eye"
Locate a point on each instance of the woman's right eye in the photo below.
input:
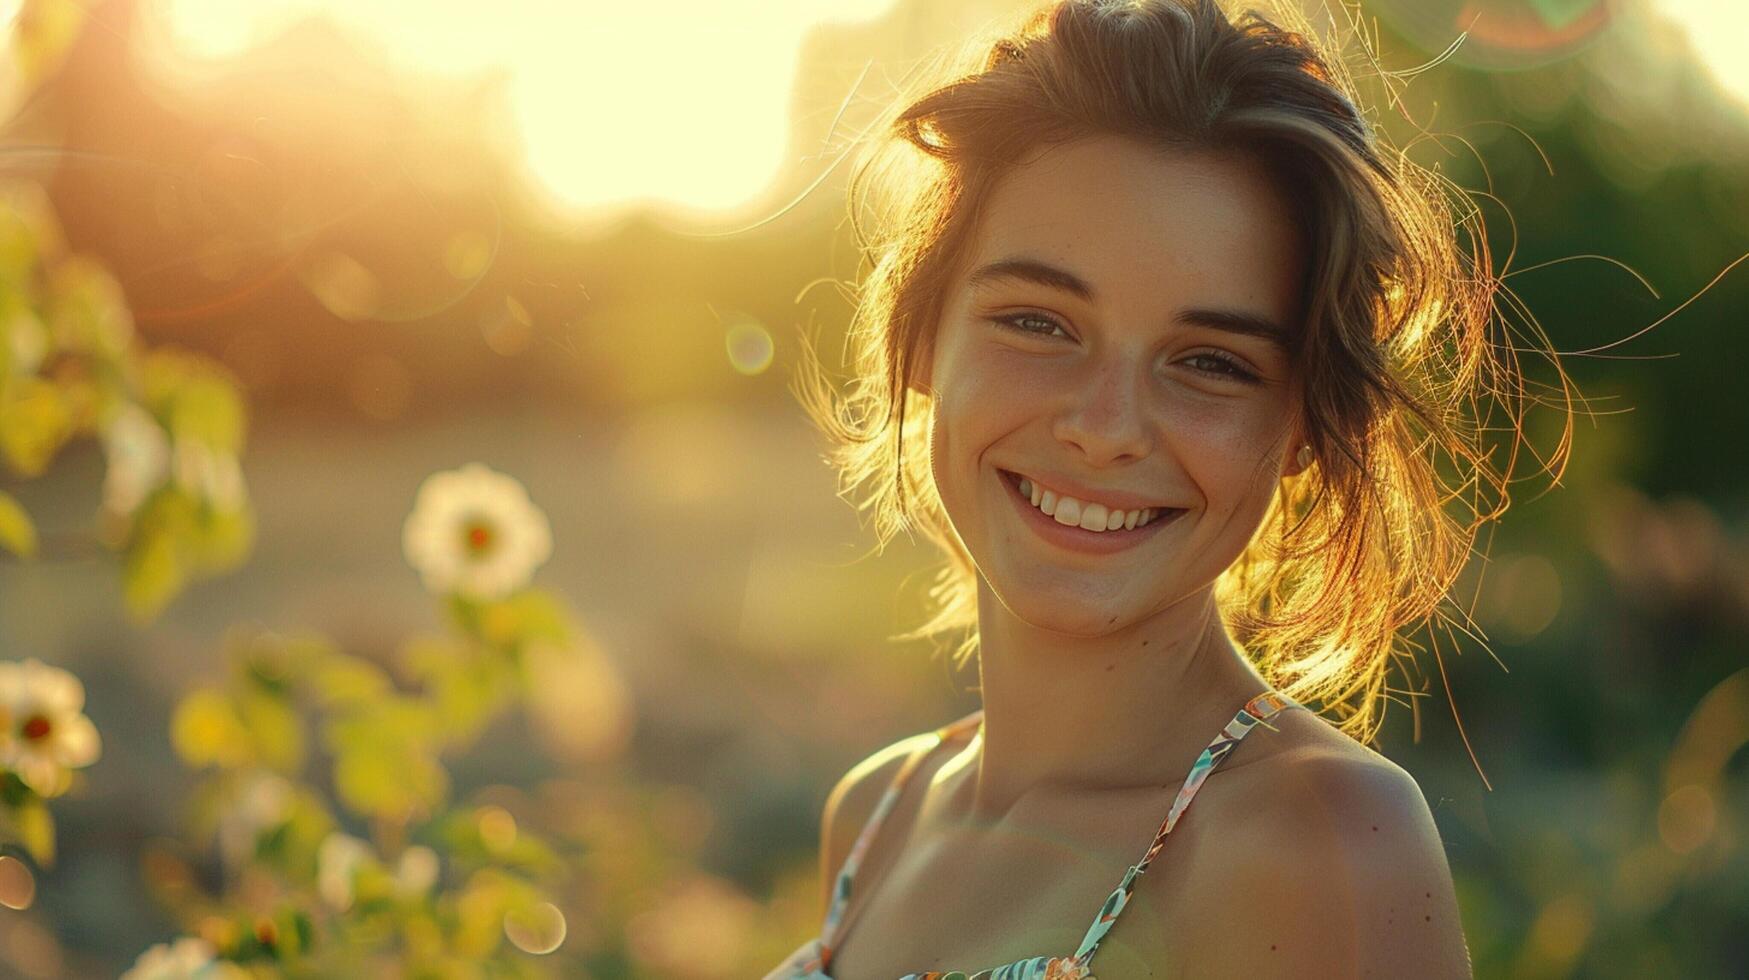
(1014, 322)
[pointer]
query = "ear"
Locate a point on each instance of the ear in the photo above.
(1294, 467)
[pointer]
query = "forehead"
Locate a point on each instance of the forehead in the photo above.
(1146, 225)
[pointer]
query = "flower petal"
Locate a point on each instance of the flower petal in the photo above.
(52, 688)
(76, 741)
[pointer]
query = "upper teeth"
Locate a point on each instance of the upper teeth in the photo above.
(1080, 513)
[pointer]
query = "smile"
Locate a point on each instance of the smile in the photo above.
(1072, 526)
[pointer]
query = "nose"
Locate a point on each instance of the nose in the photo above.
(1106, 418)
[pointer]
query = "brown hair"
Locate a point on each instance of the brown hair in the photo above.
(1395, 352)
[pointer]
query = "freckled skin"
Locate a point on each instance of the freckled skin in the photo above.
(1122, 402)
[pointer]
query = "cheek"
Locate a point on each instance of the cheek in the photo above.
(975, 406)
(977, 395)
(1228, 451)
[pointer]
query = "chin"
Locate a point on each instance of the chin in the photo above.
(1066, 613)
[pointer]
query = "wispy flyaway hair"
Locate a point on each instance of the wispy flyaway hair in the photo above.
(1401, 362)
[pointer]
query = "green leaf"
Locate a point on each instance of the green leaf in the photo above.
(340, 678)
(208, 409)
(13, 789)
(385, 760)
(462, 613)
(388, 779)
(152, 574)
(24, 341)
(206, 729)
(197, 396)
(274, 728)
(469, 691)
(88, 312)
(17, 533)
(35, 422)
(527, 616)
(225, 539)
(30, 824)
(467, 685)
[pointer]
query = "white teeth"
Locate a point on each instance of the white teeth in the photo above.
(1068, 511)
(1092, 517)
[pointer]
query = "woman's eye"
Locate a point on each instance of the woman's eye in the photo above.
(1225, 367)
(1014, 322)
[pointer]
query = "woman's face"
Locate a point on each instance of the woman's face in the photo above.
(1119, 333)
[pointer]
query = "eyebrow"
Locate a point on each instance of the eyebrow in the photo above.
(1055, 277)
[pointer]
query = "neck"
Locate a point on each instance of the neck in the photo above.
(1127, 710)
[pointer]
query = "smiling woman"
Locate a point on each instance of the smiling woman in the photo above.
(1161, 346)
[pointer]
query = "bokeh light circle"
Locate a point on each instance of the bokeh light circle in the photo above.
(538, 930)
(1504, 35)
(17, 884)
(750, 347)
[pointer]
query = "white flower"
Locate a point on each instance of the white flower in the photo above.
(336, 861)
(189, 958)
(138, 458)
(42, 732)
(474, 531)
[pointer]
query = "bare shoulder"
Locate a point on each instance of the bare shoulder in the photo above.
(853, 800)
(1327, 863)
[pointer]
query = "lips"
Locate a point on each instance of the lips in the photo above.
(1079, 539)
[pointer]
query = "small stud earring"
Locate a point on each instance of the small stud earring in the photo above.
(1305, 457)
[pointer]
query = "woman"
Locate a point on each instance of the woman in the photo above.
(1155, 347)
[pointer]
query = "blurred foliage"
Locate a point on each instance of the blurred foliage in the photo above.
(431, 887)
(71, 365)
(438, 888)
(172, 422)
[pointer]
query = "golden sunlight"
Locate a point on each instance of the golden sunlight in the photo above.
(1717, 31)
(612, 105)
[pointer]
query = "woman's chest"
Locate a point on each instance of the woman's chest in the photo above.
(949, 901)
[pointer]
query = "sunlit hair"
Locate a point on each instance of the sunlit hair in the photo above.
(1400, 369)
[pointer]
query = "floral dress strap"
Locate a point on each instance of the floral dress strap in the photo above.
(1257, 710)
(835, 925)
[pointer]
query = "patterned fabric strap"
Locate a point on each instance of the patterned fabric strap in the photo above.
(818, 959)
(1259, 709)
(841, 889)
(1032, 968)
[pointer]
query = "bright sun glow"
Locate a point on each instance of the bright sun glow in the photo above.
(615, 104)
(1717, 30)
(685, 102)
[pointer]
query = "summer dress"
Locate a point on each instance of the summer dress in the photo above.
(812, 960)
